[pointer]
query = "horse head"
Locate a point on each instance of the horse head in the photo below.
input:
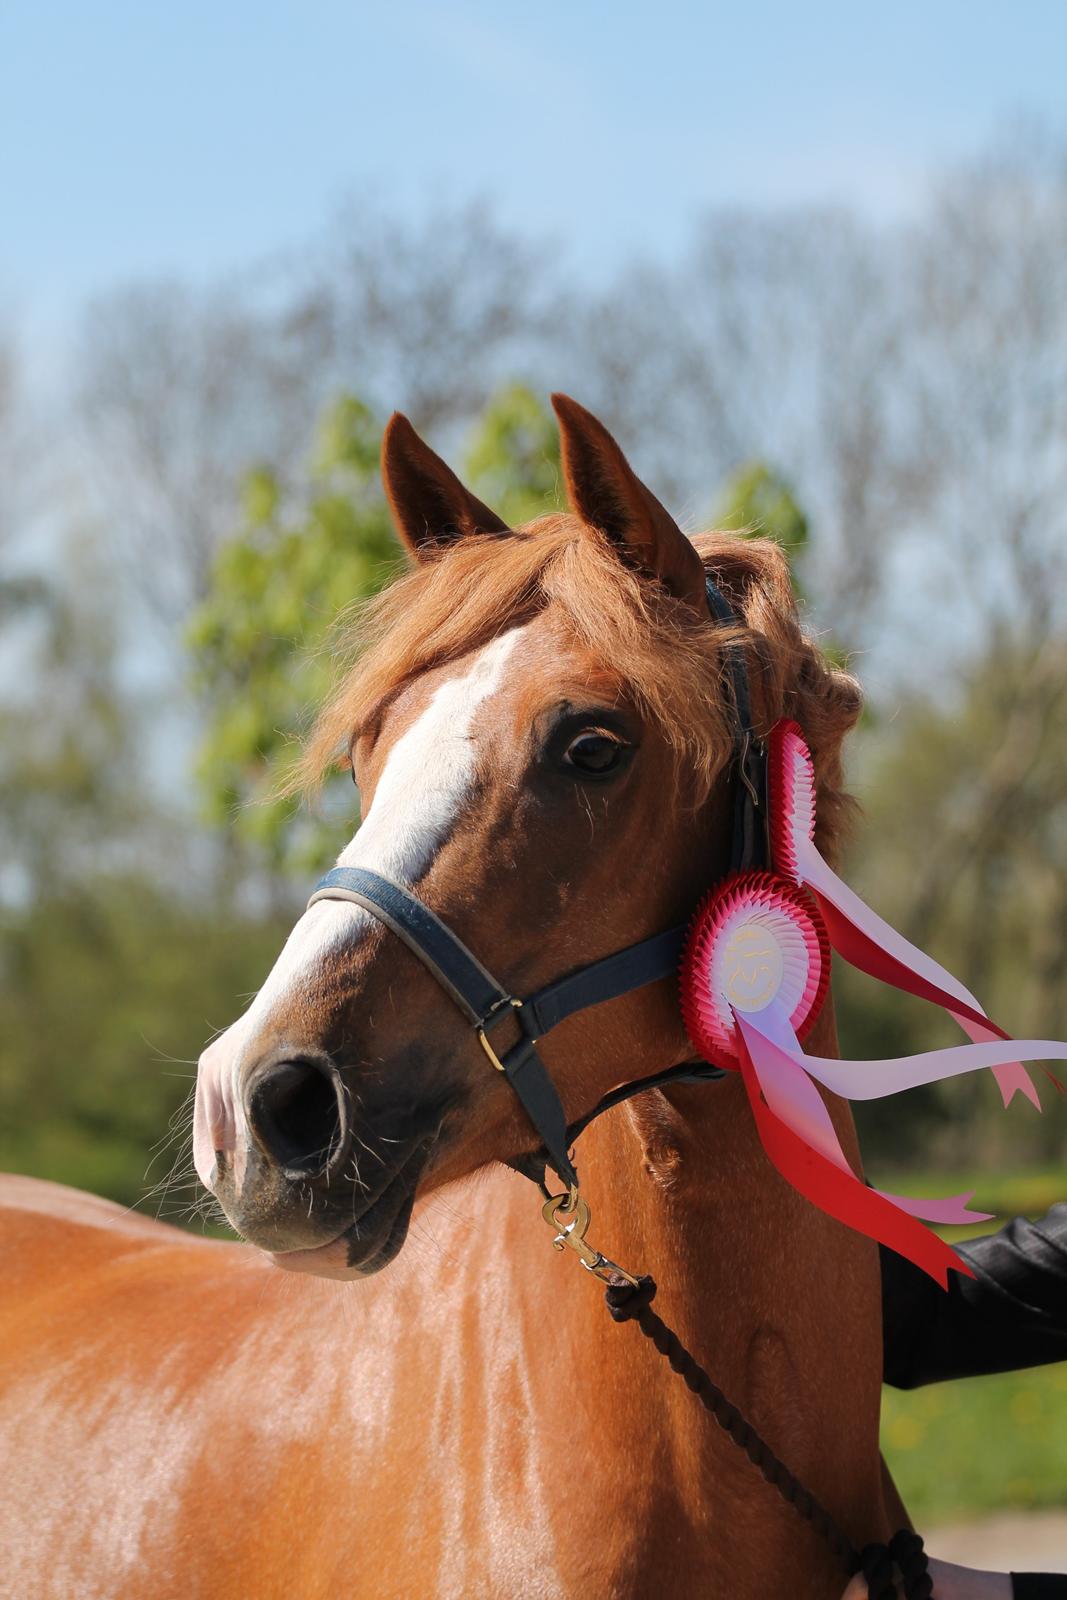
(540, 733)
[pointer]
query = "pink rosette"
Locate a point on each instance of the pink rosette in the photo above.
(756, 941)
(754, 976)
(791, 780)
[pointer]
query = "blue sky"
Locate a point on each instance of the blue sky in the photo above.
(155, 139)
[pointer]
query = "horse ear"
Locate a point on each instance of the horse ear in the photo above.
(430, 506)
(607, 494)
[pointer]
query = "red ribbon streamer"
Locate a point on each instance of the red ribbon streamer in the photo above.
(840, 1194)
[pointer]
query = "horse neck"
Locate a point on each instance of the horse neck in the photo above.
(779, 1302)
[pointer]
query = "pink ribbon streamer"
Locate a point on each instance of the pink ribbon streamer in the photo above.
(870, 944)
(781, 1066)
(872, 1080)
(794, 1124)
(835, 1189)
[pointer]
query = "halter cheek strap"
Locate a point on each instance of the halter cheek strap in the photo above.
(750, 849)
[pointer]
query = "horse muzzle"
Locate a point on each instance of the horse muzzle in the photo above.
(299, 1173)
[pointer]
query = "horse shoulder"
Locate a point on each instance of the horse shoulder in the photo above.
(186, 1419)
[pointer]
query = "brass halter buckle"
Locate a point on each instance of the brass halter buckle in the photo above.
(483, 1039)
(570, 1235)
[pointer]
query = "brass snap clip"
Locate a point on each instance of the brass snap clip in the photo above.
(570, 1235)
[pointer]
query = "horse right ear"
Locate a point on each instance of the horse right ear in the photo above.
(608, 495)
(430, 506)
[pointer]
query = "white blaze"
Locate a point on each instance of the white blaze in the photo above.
(424, 783)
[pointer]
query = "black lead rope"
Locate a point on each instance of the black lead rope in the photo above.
(486, 1003)
(632, 1302)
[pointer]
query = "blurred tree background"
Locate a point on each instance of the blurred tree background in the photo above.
(890, 403)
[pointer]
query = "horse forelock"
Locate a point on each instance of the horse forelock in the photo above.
(659, 651)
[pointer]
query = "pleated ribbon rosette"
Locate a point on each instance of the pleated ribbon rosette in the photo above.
(754, 977)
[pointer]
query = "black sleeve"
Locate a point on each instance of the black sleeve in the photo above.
(1011, 1314)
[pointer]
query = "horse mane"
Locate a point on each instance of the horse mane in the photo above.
(664, 656)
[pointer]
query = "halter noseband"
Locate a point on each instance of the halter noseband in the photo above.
(486, 1003)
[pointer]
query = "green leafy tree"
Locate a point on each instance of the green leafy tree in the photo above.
(260, 642)
(759, 502)
(118, 952)
(513, 459)
(70, 794)
(756, 500)
(962, 846)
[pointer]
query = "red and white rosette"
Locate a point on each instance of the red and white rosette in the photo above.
(756, 941)
(754, 976)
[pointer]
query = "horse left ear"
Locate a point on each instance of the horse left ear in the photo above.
(431, 508)
(607, 494)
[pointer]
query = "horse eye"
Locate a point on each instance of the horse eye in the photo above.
(595, 753)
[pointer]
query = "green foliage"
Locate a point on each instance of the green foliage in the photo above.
(758, 501)
(107, 994)
(966, 811)
(513, 461)
(68, 771)
(258, 643)
(937, 1440)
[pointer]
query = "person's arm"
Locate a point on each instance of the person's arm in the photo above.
(964, 1583)
(1011, 1314)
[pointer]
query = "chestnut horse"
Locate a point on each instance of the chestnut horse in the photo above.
(539, 729)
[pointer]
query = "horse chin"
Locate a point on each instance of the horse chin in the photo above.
(357, 1253)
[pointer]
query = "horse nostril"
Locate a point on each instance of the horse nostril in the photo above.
(297, 1109)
